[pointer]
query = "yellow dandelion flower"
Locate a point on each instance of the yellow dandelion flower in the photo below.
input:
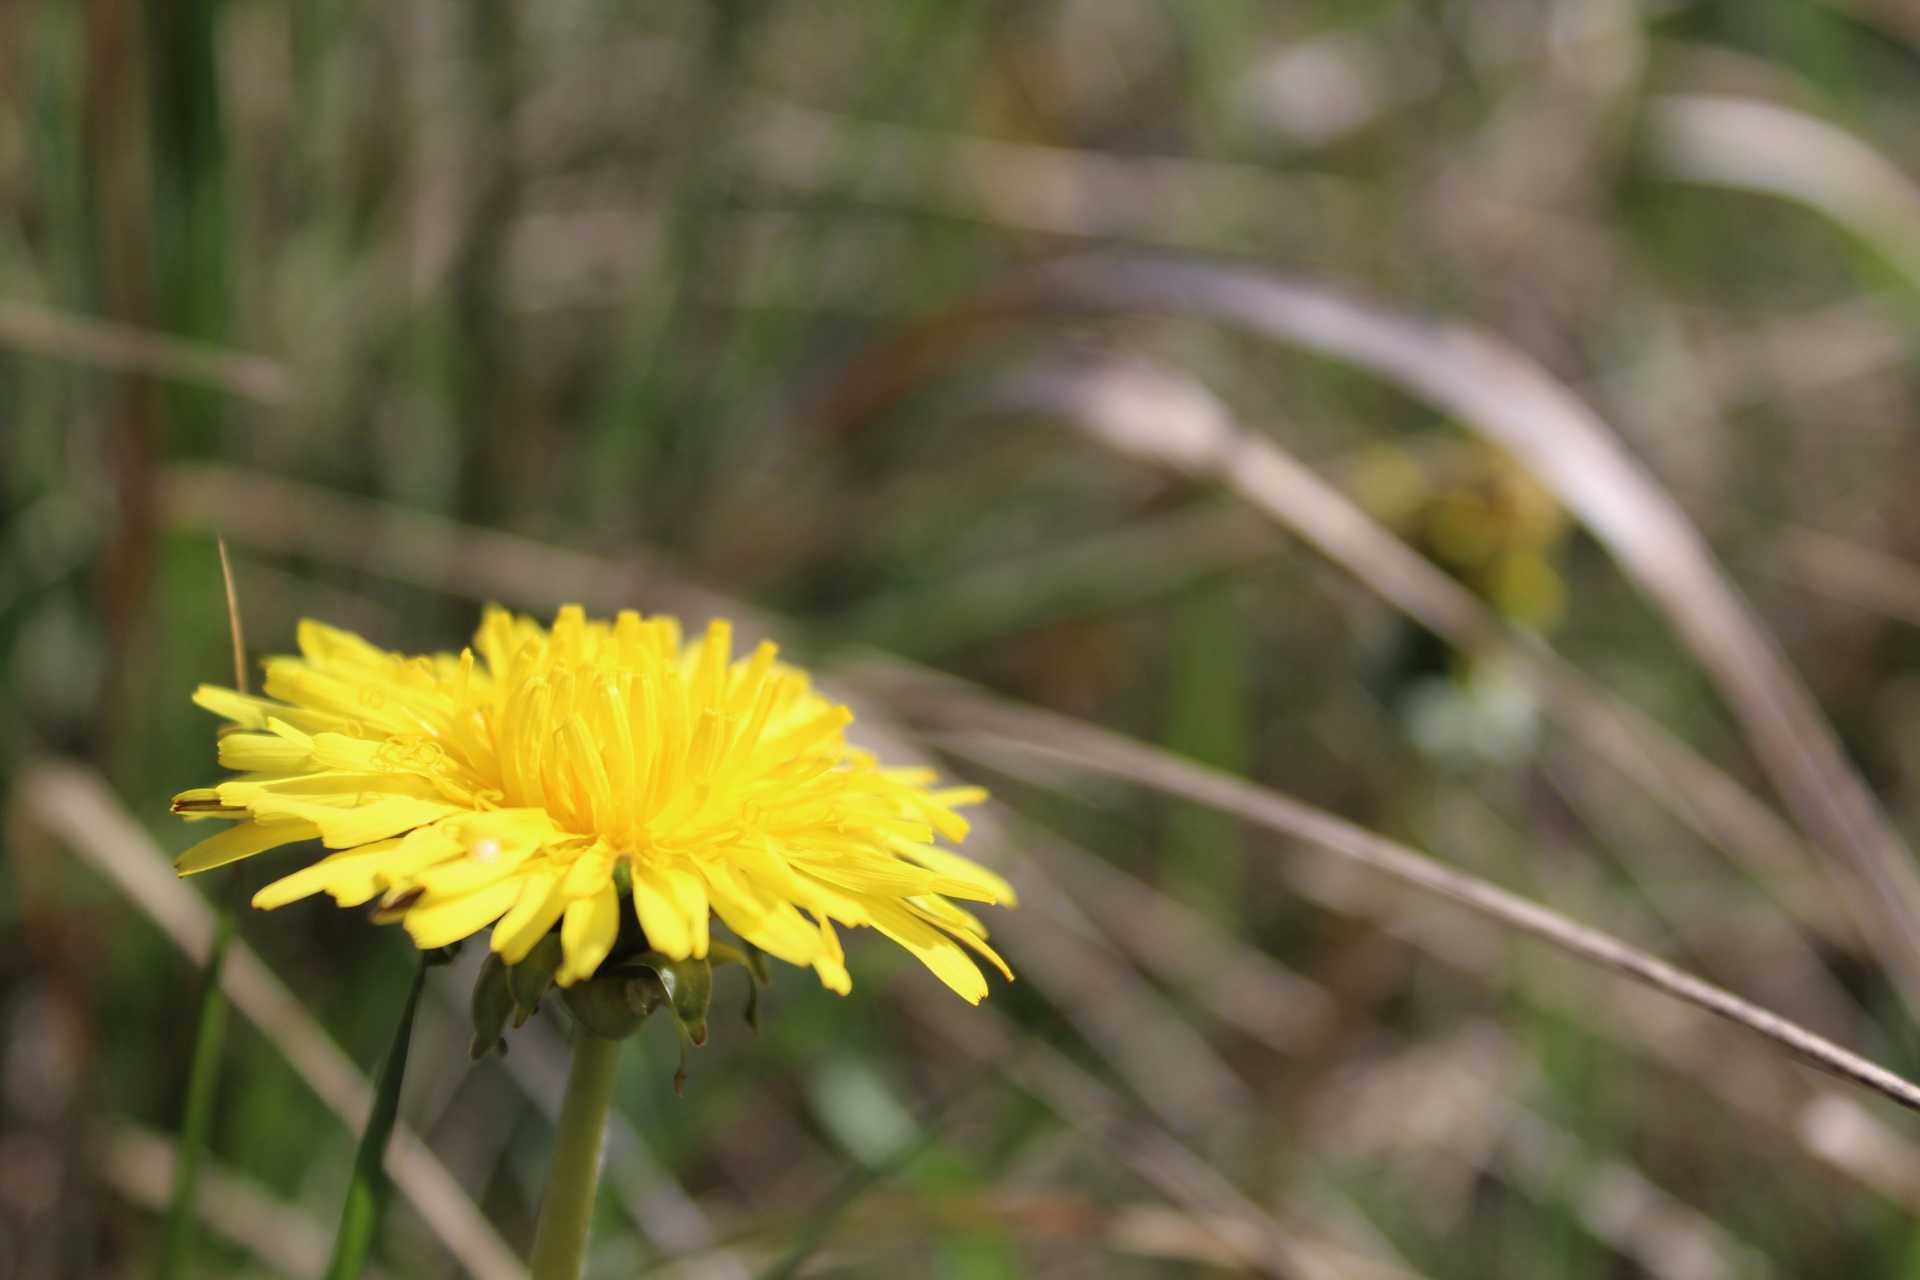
(555, 773)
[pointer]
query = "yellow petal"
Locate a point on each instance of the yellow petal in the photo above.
(823, 897)
(482, 864)
(689, 893)
(539, 905)
(955, 867)
(349, 877)
(323, 645)
(771, 924)
(344, 752)
(513, 828)
(263, 753)
(437, 924)
(962, 925)
(241, 841)
(341, 828)
(254, 713)
(657, 906)
(413, 853)
(341, 703)
(587, 934)
(589, 873)
(831, 963)
(934, 949)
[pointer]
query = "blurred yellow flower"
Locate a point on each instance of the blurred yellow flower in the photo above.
(559, 772)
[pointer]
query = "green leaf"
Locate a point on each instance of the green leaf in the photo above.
(203, 1080)
(367, 1194)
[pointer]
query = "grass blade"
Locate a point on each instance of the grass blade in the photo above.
(210, 1019)
(367, 1193)
(203, 1085)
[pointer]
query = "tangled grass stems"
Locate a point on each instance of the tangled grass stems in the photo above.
(1505, 396)
(969, 722)
(1497, 391)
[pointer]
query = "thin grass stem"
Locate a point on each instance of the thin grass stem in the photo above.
(210, 1019)
(976, 721)
(203, 1086)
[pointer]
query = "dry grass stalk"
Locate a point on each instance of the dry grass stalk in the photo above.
(139, 1165)
(1753, 145)
(77, 808)
(1157, 416)
(963, 718)
(1495, 390)
(1092, 1108)
(126, 348)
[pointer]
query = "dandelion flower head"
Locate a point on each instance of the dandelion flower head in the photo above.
(561, 777)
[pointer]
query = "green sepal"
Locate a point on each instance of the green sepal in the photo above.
(754, 961)
(689, 989)
(492, 1006)
(613, 1003)
(531, 979)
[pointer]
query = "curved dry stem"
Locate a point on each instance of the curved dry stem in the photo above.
(1752, 145)
(1174, 423)
(965, 715)
(1247, 989)
(1503, 395)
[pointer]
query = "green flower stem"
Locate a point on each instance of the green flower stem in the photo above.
(566, 1212)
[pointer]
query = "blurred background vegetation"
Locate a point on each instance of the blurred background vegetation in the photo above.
(745, 307)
